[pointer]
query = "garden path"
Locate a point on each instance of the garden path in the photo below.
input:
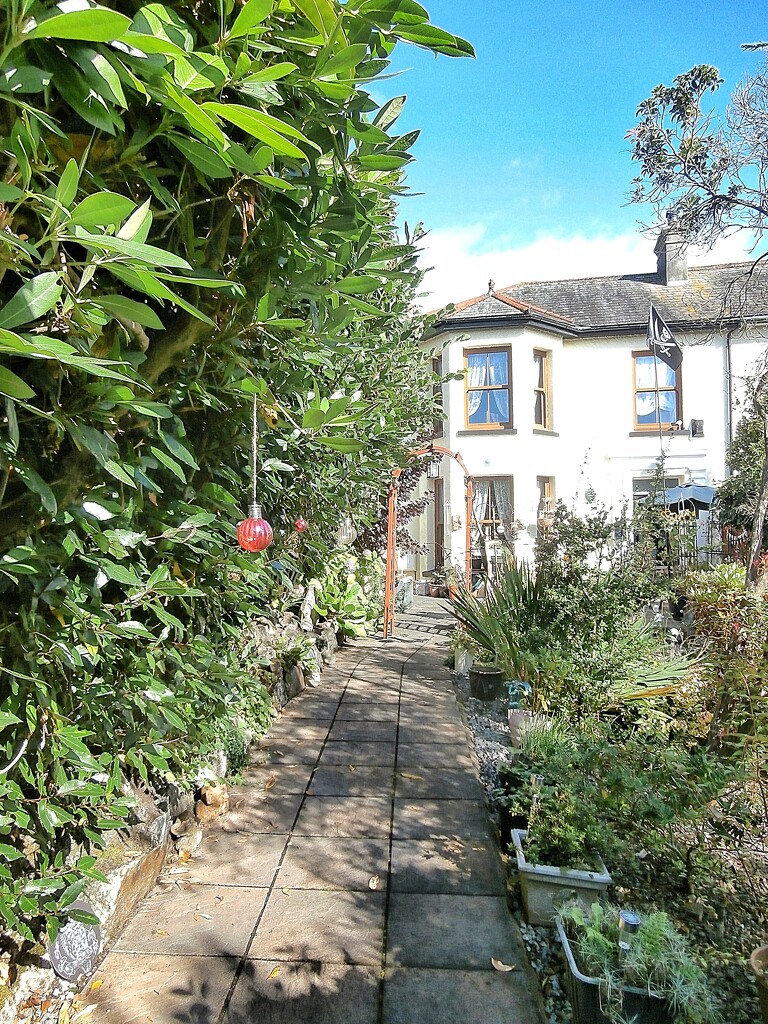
(356, 878)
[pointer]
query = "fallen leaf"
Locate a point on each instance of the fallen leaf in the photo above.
(178, 871)
(499, 965)
(273, 973)
(64, 1014)
(352, 767)
(85, 1012)
(270, 782)
(97, 985)
(160, 931)
(374, 882)
(286, 892)
(413, 778)
(185, 856)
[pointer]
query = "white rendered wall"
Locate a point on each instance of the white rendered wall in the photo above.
(593, 443)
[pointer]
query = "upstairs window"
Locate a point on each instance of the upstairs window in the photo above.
(438, 428)
(488, 393)
(654, 407)
(542, 391)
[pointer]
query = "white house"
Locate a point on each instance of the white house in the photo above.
(559, 393)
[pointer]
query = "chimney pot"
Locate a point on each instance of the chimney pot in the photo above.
(671, 256)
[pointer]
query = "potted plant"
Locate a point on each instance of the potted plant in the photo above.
(623, 966)
(759, 964)
(558, 855)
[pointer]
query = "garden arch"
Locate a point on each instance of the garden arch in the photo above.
(390, 580)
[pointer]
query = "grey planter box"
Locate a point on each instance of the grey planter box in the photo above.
(544, 887)
(584, 993)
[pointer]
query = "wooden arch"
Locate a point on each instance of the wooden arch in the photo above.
(390, 580)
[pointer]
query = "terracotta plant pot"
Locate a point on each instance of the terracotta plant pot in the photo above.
(759, 964)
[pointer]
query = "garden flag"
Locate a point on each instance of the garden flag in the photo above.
(661, 342)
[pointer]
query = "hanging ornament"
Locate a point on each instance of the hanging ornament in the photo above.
(254, 533)
(301, 525)
(346, 534)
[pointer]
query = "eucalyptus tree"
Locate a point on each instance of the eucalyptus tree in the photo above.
(710, 174)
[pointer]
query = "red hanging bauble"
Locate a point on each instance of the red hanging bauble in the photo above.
(254, 533)
(301, 525)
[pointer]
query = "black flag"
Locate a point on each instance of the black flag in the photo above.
(661, 342)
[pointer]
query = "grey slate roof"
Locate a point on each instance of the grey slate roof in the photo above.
(600, 304)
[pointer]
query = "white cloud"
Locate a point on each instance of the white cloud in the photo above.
(464, 261)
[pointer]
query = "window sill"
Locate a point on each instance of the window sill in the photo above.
(665, 433)
(545, 433)
(489, 431)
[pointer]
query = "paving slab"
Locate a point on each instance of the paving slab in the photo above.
(368, 695)
(234, 858)
(433, 730)
(352, 780)
(279, 779)
(206, 920)
(434, 755)
(471, 997)
(351, 816)
(368, 711)
(317, 862)
(315, 924)
(262, 812)
(285, 752)
(276, 992)
(464, 866)
(437, 784)
(448, 931)
(312, 708)
(159, 989)
(440, 819)
(358, 752)
(363, 730)
(298, 731)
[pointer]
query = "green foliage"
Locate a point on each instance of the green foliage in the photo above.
(350, 593)
(658, 961)
(737, 495)
(198, 207)
(734, 622)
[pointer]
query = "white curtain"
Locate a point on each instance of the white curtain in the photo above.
(476, 378)
(645, 378)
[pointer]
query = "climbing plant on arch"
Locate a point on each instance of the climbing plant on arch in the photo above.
(390, 579)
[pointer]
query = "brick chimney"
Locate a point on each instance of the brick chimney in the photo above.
(671, 257)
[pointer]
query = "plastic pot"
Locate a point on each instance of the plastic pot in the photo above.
(485, 682)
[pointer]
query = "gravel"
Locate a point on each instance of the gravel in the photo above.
(488, 723)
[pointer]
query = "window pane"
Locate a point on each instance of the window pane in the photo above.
(539, 417)
(477, 377)
(497, 368)
(668, 402)
(499, 406)
(645, 407)
(644, 372)
(666, 375)
(478, 406)
(538, 360)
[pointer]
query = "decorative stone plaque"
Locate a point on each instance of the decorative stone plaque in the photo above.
(75, 950)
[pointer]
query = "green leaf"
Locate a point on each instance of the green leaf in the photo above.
(10, 852)
(383, 161)
(261, 126)
(273, 73)
(169, 463)
(253, 13)
(35, 483)
(117, 471)
(6, 719)
(102, 208)
(321, 13)
(9, 193)
(175, 447)
(33, 300)
(13, 386)
(201, 156)
(146, 254)
(130, 309)
(342, 444)
(344, 60)
(357, 284)
(66, 190)
(95, 25)
(433, 38)
(120, 573)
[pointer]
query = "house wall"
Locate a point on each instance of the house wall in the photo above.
(593, 442)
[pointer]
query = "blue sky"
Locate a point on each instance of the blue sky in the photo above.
(522, 163)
